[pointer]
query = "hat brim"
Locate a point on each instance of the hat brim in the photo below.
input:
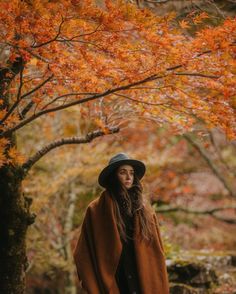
(139, 169)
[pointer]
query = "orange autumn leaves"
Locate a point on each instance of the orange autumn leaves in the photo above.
(193, 19)
(10, 156)
(76, 49)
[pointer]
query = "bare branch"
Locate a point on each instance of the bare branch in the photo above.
(206, 157)
(196, 75)
(21, 84)
(174, 67)
(156, 1)
(65, 141)
(218, 152)
(212, 212)
(151, 88)
(219, 11)
(26, 109)
(140, 101)
(203, 53)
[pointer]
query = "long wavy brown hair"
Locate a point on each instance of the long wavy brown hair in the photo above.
(134, 205)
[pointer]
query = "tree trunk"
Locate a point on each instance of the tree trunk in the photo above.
(70, 282)
(70, 278)
(15, 219)
(14, 207)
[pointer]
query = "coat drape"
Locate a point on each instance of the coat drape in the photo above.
(99, 248)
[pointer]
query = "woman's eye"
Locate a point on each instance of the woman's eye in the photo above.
(124, 173)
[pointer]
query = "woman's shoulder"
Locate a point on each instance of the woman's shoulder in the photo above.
(96, 202)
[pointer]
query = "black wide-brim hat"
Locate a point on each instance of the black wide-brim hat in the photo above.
(118, 160)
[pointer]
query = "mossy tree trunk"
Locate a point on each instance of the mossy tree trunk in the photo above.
(14, 207)
(15, 219)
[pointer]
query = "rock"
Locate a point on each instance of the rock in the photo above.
(202, 272)
(185, 289)
(226, 279)
(195, 274)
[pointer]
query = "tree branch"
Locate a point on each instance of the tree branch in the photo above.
(72, 39)
(7, 74)
(26, 109)
(81, 35)
(140, 101)
(77, 102)
(19, 98)
(53, 39)
(212, 212)
(215, 170)
(13, 107)
(66, 95)
(37, 87)
(156, 1)
(64, 141)
(218, 152)
(196, 75)
(63, 40)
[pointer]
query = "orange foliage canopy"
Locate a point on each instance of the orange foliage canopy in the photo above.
(77, 51)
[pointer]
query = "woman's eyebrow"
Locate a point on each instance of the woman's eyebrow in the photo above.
(125, 169)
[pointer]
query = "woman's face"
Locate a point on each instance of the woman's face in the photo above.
(125, 174)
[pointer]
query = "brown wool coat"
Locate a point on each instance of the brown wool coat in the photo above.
(99, 248)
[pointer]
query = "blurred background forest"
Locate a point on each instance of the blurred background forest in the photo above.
(190, 181)
(177, 176)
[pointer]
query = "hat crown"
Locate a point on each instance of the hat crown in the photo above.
(118, 157)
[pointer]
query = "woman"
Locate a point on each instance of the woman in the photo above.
(119, 249)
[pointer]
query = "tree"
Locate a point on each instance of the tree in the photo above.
(105, 60)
